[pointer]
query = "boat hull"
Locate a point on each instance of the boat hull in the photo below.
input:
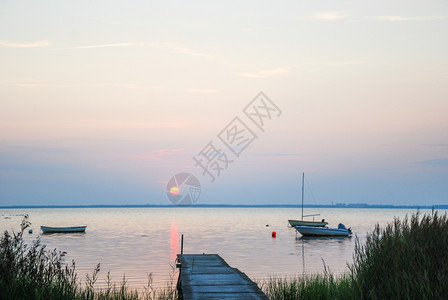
(306, 223)
(46, 229)
(322, 231)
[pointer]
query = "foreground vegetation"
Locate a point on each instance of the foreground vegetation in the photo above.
(32, 272)
(404, 260)
(309, 287)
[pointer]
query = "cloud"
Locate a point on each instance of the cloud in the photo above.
(435, 145)
(329, 16)
(201, 91)
(130, 86)
(159, 154)
(103, 124)
(104, 46)
(32, 167)
(172, 47)
(136, 124)
(441, 162)
(267, 73)
(402, 18)
(95, 46)
(38, 44)
(337, 15)
(14, 149)
(275, 154)
(345, 63)
(258, 29)
(183, 49)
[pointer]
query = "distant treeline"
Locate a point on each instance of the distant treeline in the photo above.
(337, 205)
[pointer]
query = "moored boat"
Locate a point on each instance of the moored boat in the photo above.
(47, 229)
(323, 231)
(307, 223)
(303, 222)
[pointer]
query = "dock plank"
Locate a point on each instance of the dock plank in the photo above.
(208, 276)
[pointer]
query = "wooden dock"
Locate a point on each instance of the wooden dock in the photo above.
(208, 276)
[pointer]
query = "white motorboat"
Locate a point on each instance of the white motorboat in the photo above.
(324, 231)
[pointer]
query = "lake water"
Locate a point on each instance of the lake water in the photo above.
(139, 241)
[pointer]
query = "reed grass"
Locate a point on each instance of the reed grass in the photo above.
(33, 272)
(404, 260)
(309, 287)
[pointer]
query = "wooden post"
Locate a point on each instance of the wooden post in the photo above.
(182, 245)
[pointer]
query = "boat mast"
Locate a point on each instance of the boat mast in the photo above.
(303, 181)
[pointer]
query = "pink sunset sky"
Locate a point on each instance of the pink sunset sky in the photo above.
(102, 102)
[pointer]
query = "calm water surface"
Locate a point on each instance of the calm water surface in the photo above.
(139, 241)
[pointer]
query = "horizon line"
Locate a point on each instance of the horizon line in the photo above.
(338, 205)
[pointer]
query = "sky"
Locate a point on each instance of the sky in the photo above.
(103, 102)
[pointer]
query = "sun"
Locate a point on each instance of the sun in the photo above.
(174, 190)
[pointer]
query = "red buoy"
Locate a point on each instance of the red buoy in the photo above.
(274, 234)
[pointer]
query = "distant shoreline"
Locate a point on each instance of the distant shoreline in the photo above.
(354, 205)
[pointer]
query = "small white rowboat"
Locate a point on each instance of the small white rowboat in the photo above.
(46, 229)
